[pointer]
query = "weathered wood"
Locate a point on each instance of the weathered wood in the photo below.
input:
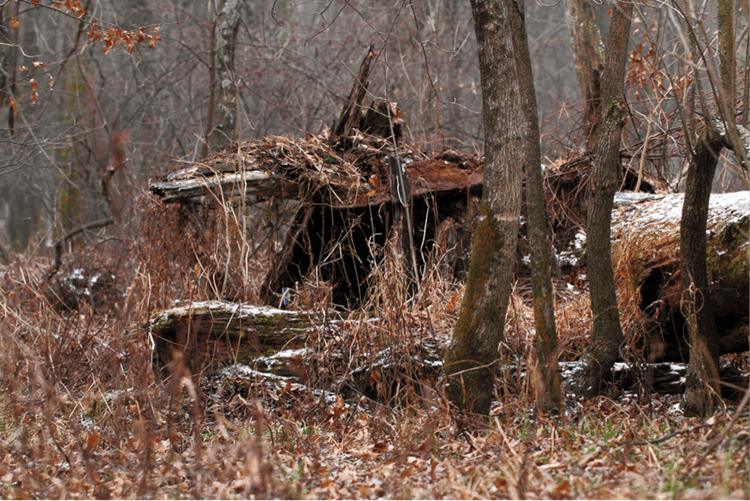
(426, 177)
(352, 110)
(223, 385)
(212, 334)
(184, 186)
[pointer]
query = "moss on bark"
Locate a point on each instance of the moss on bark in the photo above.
(470, 362)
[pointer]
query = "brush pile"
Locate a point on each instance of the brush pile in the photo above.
(357, 191)
(278, 166)
(344, 221)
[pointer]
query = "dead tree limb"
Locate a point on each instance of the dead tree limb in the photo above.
(60, 244)
(350, 114)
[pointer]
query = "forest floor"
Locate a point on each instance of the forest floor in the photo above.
(82, 415)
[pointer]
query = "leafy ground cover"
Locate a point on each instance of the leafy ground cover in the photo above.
(82, 414)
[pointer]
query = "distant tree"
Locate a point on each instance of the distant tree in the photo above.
(224, 102)
(470, 362)
(588, 53)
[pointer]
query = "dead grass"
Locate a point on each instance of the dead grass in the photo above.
(82, 414)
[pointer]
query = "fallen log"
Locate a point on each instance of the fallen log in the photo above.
(661, 377)
(645, 234)
(232, 389)
(212, 334)
(182, 187)
(428, 177)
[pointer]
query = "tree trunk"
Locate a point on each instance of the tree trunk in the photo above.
(605, 179)
(471, 359)
(702, 385)
(727, 80)
(546, 379)
(227, 23)
(587, 50)
(727, 55)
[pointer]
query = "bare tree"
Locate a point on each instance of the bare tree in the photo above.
(702, 386)
(225, 89)
(588, 54)
(605, 179)
(471, 359)
(546, 377)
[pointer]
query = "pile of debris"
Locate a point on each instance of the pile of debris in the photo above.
(359, 185)
(345, 202)
(352, 208)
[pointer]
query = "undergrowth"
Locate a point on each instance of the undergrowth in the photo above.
(82, 413)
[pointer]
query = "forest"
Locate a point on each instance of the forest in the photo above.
(405, 249)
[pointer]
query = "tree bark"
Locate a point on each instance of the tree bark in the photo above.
(605, 179)
(227, 23)
(727, 56)
(702, 388)
(472, 357)
(587, 51)
(546, 378)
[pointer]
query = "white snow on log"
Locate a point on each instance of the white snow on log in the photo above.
(283, 358)
(659, 214)
(238, 309)
(245, 371)
(285, 384)
(628, 197)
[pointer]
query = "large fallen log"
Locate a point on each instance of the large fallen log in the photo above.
(182, 187)
(645, 234)
(276, 347)
(285, 379)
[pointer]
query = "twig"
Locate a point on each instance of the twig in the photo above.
(661, 439)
